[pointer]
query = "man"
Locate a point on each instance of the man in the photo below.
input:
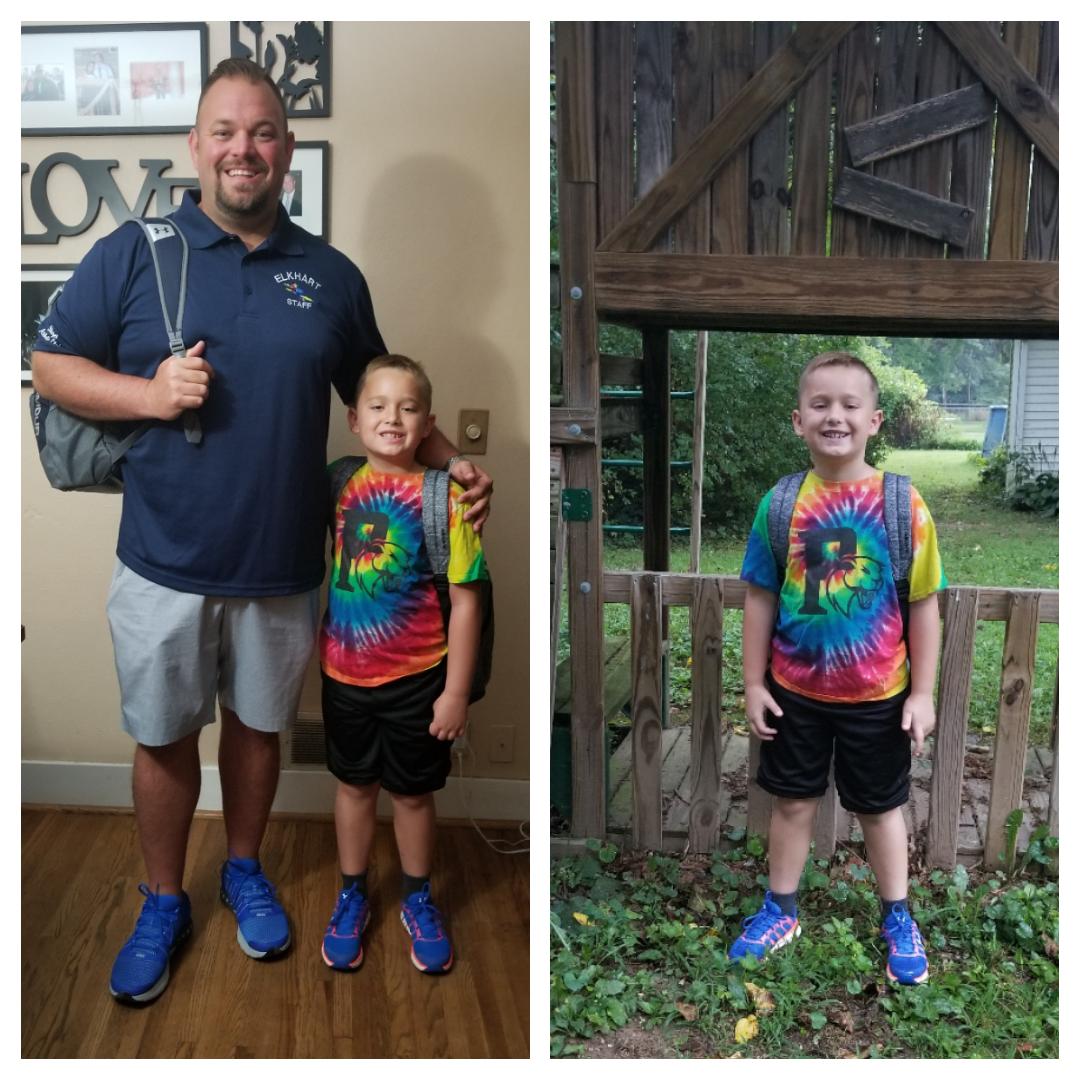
(220, 553)
(290, 197)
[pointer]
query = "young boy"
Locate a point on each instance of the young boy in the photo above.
(826, 656)
(395, 683)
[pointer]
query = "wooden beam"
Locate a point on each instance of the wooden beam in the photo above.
(706, 735)
(615, 122)
(656, 448)
(1007, 79)
(1042, 230)
(785, 72)
(922, 297)
(919, 124)
(573, 427)
(647, 733)
(904, 207)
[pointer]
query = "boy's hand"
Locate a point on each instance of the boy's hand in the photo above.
(451, 712)
(478, 490)
(758, 702)
(918, 719)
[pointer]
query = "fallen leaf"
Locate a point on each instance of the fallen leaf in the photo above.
(688, 1011)
(843, 1019)
(746, 1029)
(1025, 1047)
(582, 918)
(1050, 947)
(762, 999)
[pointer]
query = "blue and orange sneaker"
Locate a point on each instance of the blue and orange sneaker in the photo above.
(770, 929)
(343, 942)
(431, 949)
(141, 970)
(907, 954)
(262, 927)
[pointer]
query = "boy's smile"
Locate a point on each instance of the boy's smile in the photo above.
(392, 419)
(837, 414)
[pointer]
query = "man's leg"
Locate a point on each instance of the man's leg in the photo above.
(165, 785)
(249, 762)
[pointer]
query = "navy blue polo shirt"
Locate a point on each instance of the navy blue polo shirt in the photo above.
(243, 513)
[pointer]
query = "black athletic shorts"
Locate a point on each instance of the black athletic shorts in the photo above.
(872, 768)
(380, 733)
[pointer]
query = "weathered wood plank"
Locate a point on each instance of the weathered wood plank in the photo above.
(1012, 159)
(810, 181)
(769, 195)
(1014, 718)
(790, 66)
(556, 475)
(903, 207)
(574, 116)
(1009, 81)
(826, 821)
(895, 90)
(620, 370)
(1052, 821)
(706, 691)
(573, 427)
(923, 297)
(653, 112)
(1042, 232)
(617, 679)
(994, 604)
(697, 476)
(758, 800)
(691, 79)
(621, 417)
(656, 447)
(732, 65)
(647, 731)
(854, 103)
(954, 695)
(919, 124)
(614, 122)
(937, 75)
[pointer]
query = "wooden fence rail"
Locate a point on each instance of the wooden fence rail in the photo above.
(648, 594)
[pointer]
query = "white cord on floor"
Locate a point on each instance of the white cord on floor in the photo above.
(497, 844)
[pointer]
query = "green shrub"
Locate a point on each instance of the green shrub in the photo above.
(1021, 479)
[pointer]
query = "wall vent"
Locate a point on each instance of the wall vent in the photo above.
(307, 743)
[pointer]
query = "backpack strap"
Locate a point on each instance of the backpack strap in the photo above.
(781, 509)
(898, 523)
(436, 513)
(169, 251)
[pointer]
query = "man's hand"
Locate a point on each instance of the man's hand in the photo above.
(478, 491)
(180, 383)
(759, 702)
(451, 711)
(918, 719)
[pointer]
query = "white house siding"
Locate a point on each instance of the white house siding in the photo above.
(1033, 398)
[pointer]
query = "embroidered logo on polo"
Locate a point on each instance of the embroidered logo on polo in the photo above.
(300, 288)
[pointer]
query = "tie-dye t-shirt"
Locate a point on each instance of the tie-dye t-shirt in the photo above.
(839, 633)
(383, 620)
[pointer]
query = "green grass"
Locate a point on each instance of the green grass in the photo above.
(638, 944)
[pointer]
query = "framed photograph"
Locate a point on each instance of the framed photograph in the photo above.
(113, 79)
(306, 191)
(40, 285)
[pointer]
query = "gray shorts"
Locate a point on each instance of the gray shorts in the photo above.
(177, 652)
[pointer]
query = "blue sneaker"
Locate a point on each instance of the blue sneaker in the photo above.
(141, 969)
(343, 942)
(907, 954)
(770, 929)
(431, 948)
(262, 927)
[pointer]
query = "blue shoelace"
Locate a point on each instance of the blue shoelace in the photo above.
(350, 903)
(901, 929)
(426, 915)
(755, 926)
(254, 895)
(153, 928)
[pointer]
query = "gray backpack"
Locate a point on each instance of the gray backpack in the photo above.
(85, 455)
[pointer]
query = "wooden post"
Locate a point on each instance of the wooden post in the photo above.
(656, 448)
(558, 560)
(1014, 717)
(707, 622)
(647, 732)
(825, 821)
(758, 800)
(954, 694)
(1052, 810)
(697, 482)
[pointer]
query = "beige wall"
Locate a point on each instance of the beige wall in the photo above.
(429, 196)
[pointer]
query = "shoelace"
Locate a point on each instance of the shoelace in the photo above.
(351, 903)
(254, 896)
(427, 916)
(153, 925)
(901, 930)
(755, 926)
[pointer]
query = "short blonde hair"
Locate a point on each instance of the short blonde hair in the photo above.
(838, 359)
(397, 362)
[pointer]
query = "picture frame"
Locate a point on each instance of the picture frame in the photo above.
(112, 79)
(40, 283)
(310, 169)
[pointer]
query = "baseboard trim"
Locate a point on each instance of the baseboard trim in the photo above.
(300, 791)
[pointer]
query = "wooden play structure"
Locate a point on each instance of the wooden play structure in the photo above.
(894, 179)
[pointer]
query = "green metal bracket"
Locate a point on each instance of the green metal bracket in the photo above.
(576, 504)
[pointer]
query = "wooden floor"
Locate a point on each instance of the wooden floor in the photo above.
(80, 879)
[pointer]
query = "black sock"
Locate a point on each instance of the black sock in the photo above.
(786, 902)
(888, 905)
(410, 885)
(359, 880)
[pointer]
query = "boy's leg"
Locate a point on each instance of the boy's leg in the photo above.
(414, 830)
(791, 828)
(887, 847)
